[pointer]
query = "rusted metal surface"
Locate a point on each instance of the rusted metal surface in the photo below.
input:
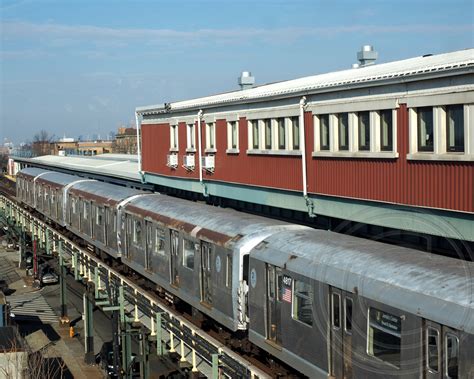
(103, 193)
(220, 226)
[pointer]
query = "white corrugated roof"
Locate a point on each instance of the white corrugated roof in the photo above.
(392, 70)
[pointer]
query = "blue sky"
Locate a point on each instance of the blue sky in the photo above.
(81, 67)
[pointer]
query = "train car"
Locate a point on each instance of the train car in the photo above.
(95, 213)
(196, 252)
(25, 184)
(345, 307)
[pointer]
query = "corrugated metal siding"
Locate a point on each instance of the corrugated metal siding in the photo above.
(448, 185)
(258, 170)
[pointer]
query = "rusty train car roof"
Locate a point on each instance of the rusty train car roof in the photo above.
(221, 226)
(57, 179)
(431, 286)
(110, 194)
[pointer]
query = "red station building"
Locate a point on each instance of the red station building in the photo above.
(387, 148)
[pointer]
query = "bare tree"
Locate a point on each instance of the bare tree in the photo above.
(21, 362)
(41, 143)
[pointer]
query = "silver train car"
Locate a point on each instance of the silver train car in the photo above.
(329, 305)
(338, 306)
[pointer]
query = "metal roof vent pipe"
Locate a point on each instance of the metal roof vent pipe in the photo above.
(246, 80)
(367, 55)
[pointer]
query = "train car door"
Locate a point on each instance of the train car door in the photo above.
(174, 257)
(340, 326)
(273, 308)
(206, 273)
(441, 351)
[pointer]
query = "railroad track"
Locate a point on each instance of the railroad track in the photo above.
(7, 186)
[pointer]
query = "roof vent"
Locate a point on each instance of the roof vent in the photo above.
(246, 80)
(367, 55)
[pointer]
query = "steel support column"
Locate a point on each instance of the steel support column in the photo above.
(88, 329)
(62, 284)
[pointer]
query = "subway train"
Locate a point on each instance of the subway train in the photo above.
(328, 305)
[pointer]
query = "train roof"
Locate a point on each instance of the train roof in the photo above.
(58, 178)
(33, 171)
(221, 226)
(107, 192)
(397, 71)
(431, 286)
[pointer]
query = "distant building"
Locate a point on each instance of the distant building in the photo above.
(125, 141)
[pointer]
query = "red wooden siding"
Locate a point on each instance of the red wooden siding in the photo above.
(447, 185)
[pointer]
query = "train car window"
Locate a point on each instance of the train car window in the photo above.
(188, 254)
(348, 312)
(451, 352)
(303, 302)
(336, 310)
(73, 205)
(384, 336)
(160, 241)
(228, 276)
(137, 231)
(432, 349)
(85, 210)
(99, 216)
(271, 282)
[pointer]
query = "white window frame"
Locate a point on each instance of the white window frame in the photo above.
(174, 146)
(191, 137)
(210, 130)
(230, 148)
(353, 151)
(440, 152)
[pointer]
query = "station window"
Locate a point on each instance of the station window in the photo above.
(255, 134)
(188, 253)
(324, 132)
(191, 136)
(432, 349)
(174, 136)
(268, 133)
(302, 302)
(440, 132)
(425, 129)
(159, 241)
(451, 354)
(386, 130)
(455, 128)
(281, 133)
(210, 135)
(295, 128)
(343, 131)
(384, 336)
(363, 120)
(232, 135)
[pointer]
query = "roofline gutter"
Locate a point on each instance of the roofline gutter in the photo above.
(306, 92)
